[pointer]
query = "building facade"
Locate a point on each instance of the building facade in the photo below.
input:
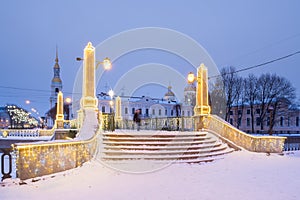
(286, 119)
(166, 107)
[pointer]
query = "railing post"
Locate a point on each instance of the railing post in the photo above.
(6, 152)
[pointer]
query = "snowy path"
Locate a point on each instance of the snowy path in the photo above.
(240, 175)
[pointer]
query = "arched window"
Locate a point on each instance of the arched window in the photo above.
(103, 109)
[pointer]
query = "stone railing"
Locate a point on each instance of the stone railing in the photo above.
(26, 132)
(161, 123)
(38, 159)
(269, 144)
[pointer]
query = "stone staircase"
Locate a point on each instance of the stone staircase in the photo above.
(160, 147)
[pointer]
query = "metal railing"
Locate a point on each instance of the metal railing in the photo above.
(159, 123)
(292, 143)
(7, 163)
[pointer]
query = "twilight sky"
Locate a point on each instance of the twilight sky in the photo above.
(234, 32)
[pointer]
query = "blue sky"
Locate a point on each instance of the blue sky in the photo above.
(237, 33)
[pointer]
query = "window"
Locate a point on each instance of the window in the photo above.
(258, 121)
(239, 121)
(133, 110)
(258, 111)
(103, 109)
(231, 112)
(159, 112)
(248, 111)
(248, 121)
(166, 112)
(297, 121)
(189, 114)
(239, 112)
(281, 121)
(182, 113)
(153, 112)
(172, 112)
(231, 121)
(147, 112)
(126, 110)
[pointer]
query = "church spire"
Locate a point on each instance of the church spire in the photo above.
(56, 58)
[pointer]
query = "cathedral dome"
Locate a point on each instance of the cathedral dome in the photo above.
(190, 87)
(169, 95)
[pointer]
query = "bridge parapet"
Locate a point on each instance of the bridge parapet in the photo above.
(268, 144)
(38, 159)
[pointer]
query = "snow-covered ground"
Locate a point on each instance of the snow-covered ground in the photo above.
(240, 175)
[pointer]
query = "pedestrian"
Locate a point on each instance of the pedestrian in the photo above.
(137, 119)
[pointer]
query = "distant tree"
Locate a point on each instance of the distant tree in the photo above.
(217, 98)
(239, 101)
(230, 80)
(283, 92)
(251, 93)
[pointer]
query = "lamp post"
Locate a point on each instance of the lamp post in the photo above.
(88, 99)
(202, 107)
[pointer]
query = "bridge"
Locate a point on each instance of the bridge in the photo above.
(127, 150)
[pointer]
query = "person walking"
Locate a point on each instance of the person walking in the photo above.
(137, 119)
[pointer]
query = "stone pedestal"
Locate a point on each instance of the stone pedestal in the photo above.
(202, 108)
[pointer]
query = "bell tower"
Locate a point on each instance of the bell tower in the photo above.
(56, 83)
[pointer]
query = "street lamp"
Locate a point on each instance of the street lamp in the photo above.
(111, 93)
(68, 102)
(191, 77)
(107, 65)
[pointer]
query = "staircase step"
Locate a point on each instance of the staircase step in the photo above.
(160, 146)
(153, 134)
(166, 157)
(163, 152)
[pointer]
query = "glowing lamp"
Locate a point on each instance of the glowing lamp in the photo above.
(191, 77)
(111, 93)
(107, 64)
(68, 100)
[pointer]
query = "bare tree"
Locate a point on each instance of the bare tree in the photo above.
(284, 93)
(251, 93)
(217, 98)
(229, 77)
(240, 99)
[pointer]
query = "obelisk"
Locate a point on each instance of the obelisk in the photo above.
(202, 106)
(88, 99)
(59, 121)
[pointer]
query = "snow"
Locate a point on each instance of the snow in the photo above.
(89, 126)
(239, 175)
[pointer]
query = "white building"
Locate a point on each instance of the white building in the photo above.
(167, 106)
